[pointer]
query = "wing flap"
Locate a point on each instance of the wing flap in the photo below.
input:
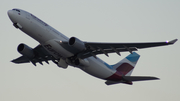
(86, 54)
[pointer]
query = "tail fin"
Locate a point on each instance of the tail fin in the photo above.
(125, 68)
(127, 65)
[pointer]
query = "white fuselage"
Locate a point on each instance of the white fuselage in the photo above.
(48, 36)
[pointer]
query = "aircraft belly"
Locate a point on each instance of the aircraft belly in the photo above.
(97, 68)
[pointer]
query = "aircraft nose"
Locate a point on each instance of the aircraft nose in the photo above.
(10, 13)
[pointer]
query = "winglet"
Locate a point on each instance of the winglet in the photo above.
(172, 41)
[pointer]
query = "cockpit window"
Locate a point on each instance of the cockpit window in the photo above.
(16, 10)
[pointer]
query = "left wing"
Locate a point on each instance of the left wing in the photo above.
(94, 49)
(41, 55)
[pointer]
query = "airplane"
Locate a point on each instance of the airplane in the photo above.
(64, 51)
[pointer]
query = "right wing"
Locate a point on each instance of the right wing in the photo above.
(94, 49)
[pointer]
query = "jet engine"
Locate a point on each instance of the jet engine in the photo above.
(77, 44)
(25, 50)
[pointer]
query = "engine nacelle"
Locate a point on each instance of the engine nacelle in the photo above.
(77, 44)
(25, 50)
(81, 62)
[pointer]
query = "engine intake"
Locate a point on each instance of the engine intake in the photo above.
(25, 50)
(77, 44)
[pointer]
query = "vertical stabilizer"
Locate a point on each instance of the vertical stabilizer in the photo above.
(127, 65)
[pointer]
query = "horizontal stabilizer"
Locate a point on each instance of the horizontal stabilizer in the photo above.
(130, 79)
(138, 78)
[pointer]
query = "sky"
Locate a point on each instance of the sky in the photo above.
(94, 21)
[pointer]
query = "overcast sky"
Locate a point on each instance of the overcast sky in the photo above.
(95, 21)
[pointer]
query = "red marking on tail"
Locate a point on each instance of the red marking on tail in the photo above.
(124, 68)
(115, 77)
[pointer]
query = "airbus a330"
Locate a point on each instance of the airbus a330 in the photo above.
(64, 51)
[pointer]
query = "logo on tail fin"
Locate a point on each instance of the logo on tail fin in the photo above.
(127, 65)
(125, 68)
